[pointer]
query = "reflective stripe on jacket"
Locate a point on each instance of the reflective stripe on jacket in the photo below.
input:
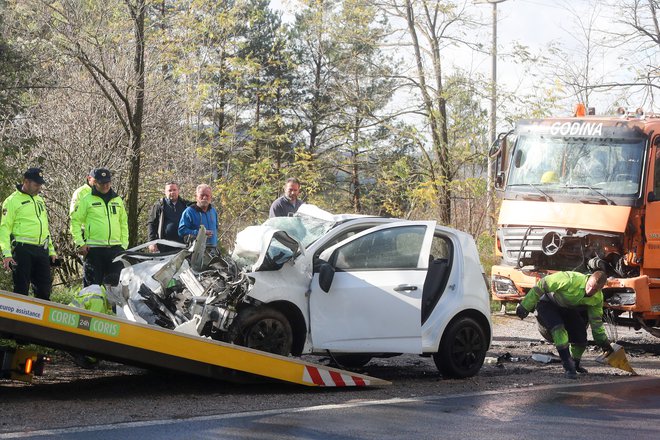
(24, 219)
(105, 224)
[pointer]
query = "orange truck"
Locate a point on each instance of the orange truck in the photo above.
(582, 194)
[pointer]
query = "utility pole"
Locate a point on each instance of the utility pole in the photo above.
(492, 124)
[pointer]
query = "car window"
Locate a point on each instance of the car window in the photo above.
(440, 248)
(392, 248)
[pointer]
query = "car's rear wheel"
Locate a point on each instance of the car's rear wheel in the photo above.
(462, 350)
(263, 328)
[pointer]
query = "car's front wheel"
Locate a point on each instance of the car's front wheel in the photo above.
(462, 350)
(263, 328)
(351, 360)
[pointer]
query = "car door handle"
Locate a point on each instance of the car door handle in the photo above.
(405, 288)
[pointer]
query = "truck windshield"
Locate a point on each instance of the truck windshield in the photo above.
(590, 167)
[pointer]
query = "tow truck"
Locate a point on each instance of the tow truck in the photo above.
(59, 326)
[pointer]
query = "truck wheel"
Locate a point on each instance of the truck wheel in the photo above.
(265, 329)
(462, 349)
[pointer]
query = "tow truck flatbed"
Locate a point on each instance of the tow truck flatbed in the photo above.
(109, 337)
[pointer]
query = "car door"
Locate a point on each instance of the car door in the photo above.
(374, 300)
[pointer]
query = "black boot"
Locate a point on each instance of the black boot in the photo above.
(567, 362)
(578, 368)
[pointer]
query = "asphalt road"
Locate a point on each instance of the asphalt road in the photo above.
(580, 411)
(116, 397)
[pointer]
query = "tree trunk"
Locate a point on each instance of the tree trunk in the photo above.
(137, 12)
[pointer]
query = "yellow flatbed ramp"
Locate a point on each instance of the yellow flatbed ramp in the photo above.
(56, 325)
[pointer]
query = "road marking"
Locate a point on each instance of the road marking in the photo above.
(354, 404)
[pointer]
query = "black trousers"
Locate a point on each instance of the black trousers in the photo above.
(32, 266)
(98, 264)
(551, 315)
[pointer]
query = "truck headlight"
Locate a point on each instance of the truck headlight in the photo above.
(503, 286)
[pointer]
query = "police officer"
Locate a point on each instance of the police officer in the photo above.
(82, 191)
(24, 226)
(105, 223)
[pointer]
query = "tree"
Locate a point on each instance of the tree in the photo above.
(432, 26)
(95, 34)
(633, 33)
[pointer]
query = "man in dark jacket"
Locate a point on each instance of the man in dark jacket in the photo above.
(289, 203)
(165, 216)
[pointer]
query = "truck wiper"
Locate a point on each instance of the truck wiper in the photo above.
(607, 199)
(536, 187)
(543, 194)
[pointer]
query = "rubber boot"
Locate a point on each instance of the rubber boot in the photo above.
(567, 362)
(578, 368)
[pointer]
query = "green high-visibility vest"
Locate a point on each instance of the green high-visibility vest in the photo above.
(567, 290)
(78, 195)
(24, 220)
(92, 298)
(106, 224)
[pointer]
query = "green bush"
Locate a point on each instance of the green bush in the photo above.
(64, 294)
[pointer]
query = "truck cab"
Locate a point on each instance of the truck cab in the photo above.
(582, 194)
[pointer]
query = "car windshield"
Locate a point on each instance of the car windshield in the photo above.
(303, 228)
(568, 166)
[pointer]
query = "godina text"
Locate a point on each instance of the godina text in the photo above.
(577, 129)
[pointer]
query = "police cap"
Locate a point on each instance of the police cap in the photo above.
(102, 175)
(35, 174)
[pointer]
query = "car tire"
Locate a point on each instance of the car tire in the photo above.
(263, 328)
(351, 360)
(462, 349)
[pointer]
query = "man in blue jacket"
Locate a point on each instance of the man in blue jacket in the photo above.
(201, 213)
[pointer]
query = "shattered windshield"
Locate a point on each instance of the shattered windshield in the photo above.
(271, 238)
(303, 228)
(598, 167)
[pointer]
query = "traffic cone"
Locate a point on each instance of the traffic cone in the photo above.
(617, 359)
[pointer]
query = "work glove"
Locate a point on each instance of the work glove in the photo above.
(521, 312)
(607, 348)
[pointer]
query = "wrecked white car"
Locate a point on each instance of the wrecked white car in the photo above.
(349, 287)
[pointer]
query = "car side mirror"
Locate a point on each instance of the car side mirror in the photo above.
(326, 274)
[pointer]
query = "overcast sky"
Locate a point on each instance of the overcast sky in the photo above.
(533, 23)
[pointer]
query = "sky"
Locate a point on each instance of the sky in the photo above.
(533, 23)
(538, 23)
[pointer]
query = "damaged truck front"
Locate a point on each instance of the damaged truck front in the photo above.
(582, 194)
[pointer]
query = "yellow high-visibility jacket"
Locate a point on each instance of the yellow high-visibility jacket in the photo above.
(106, 224)
(24, 220)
